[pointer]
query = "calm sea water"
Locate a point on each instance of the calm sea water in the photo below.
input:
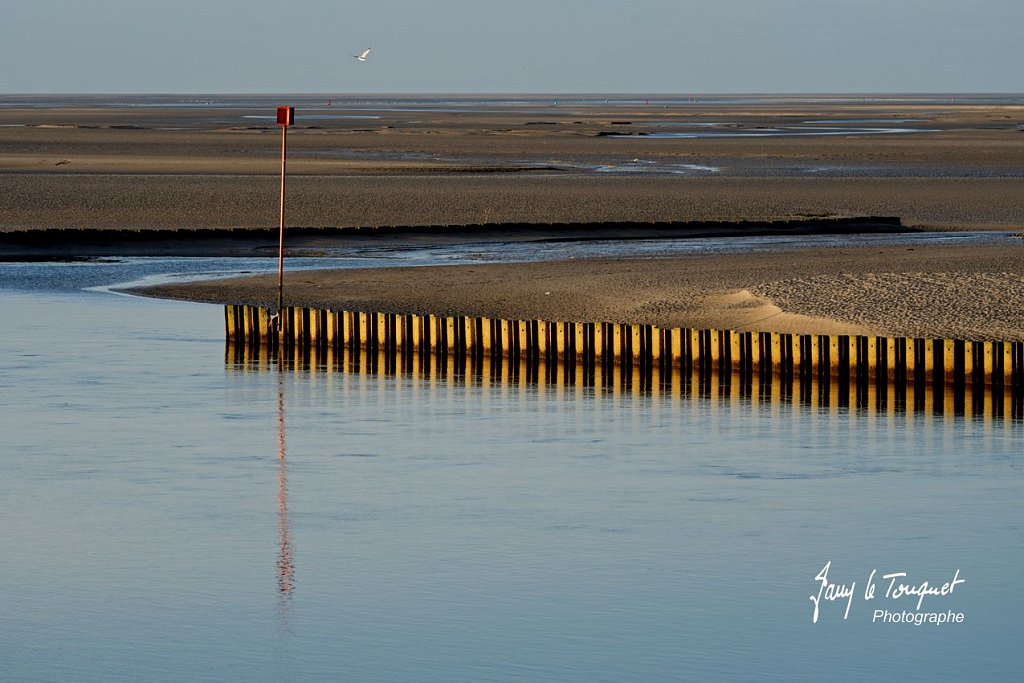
(168, 516)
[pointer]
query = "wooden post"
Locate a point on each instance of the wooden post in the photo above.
(969, 362)
(948, 360)
(229, 322)
(989, 362)
(929, 360)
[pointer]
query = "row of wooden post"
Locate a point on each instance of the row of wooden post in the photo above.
(856, 358)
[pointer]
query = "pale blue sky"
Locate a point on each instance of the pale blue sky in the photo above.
(514, 46)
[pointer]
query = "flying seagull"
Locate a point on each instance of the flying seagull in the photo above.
(363, 55)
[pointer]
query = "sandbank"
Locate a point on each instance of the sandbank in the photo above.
(964, 292)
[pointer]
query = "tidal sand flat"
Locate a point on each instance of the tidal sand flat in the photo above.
(169, 163)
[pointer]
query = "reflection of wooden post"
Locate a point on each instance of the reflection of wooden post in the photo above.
(285, 118)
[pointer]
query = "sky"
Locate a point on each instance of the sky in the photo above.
(512, 46)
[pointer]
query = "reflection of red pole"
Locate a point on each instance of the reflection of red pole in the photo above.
(285, 118)
(285, 568)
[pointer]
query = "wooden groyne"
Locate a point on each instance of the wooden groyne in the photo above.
(605, 346)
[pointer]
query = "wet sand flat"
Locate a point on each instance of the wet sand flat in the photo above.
(166, 164)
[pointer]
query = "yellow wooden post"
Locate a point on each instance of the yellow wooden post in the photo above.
(1008, 368)
(598, 343)
(989, 362)
(299, 331)
(929, 360)
(695, 350)
(311, 315)
(230, 322)
(969, 362)
(913, 362)
(348, 327)
(523, 331)
(449, 328)
(402, 332)
(381, 326)
(948, 364)
(416, 332)
(469, 334)
(512, 345)
(776, 341)
(559, 340)
(833, 353)
(872, 355)
(542, 339)
(485, 335)
(675, 346)
(330, 322)
(716, 356)
(247, 320)
(247, 323)
(364, 341)
(616, 340)
(890, 357)
(500, 340)
(263, 324)
(656, 345)
(578, 340)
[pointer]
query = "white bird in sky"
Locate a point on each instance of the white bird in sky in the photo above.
(362, 55)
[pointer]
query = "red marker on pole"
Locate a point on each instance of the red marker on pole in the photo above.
(285, 118)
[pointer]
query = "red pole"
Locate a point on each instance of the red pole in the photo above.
(280, 243)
